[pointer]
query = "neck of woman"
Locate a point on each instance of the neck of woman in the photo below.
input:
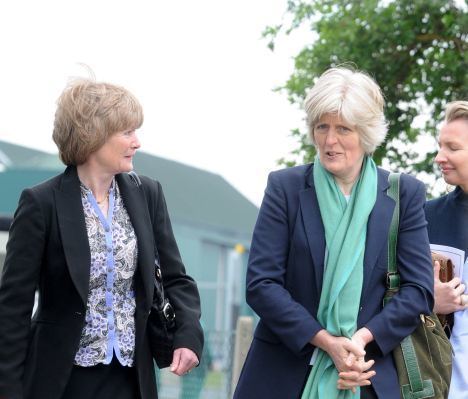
(347, 179)
(464, 187)
(98, 182)
(346, 185)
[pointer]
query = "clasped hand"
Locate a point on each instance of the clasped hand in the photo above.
(348, 357)
(356, 370)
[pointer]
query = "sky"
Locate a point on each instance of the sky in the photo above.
(203, 74)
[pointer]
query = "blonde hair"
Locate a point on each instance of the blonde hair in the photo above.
(456, 110)
(353, 96)
(88, 112)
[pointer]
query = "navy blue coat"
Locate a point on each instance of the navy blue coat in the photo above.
(447, 219)
(285, 274)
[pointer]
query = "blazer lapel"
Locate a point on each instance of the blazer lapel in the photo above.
(377, 226)
(313, 227)
(73, 232)
(137, 208)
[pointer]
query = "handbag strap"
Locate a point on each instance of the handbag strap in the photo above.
(393, 285)
(393, 191)
(163, 303)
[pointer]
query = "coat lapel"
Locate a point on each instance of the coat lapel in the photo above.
(313, 227)
(73, 232)
(377, 227)
(137, 208)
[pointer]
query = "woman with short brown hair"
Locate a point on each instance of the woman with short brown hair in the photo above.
(88, 241)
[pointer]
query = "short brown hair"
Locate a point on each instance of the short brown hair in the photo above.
(88, 112)
(456, 110)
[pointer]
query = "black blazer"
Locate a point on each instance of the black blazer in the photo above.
(48, 250)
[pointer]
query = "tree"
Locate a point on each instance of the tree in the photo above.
(415, 49)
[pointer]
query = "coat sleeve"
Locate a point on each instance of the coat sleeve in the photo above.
(400, 316)
(20, 277)
(180, 288)
(291, 322)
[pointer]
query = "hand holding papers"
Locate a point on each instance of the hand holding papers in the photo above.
(460, 327)
(448, 290)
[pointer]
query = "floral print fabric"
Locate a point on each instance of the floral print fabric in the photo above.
(110, 315)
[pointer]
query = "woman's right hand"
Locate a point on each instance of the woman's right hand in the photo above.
(447, 296)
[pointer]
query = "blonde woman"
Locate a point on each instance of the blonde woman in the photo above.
(447, 218)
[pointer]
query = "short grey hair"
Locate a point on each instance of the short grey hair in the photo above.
(456, 110)
(355, 97)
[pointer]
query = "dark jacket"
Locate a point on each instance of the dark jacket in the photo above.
(447, 219)
(48, 250)
(284, 282)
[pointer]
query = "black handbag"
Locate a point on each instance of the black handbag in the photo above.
(161, 320)
(423, 360)
(161, 323)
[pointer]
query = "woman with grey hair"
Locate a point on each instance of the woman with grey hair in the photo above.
(88, 241)
(318, 260)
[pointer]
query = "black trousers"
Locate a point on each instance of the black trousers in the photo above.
(112, 381)
(368, 393)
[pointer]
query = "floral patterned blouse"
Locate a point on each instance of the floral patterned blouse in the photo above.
(110, 312)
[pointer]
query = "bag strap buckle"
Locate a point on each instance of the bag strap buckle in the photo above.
(393, 280)
(168, 312)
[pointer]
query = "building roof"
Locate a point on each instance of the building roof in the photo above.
(18, 157)
(194, 196)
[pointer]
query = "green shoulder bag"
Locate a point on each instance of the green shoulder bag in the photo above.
(424, 359)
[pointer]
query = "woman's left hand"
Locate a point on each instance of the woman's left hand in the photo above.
(183, 361)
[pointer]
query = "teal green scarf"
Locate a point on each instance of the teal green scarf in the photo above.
(345, 225)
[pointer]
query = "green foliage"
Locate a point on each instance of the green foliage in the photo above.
(415, 49)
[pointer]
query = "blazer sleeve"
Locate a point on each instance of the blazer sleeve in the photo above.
(400, 316)
(292, 323)
(20, 277)
(179, 287)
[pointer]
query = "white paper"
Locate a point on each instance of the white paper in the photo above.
(457, 256)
